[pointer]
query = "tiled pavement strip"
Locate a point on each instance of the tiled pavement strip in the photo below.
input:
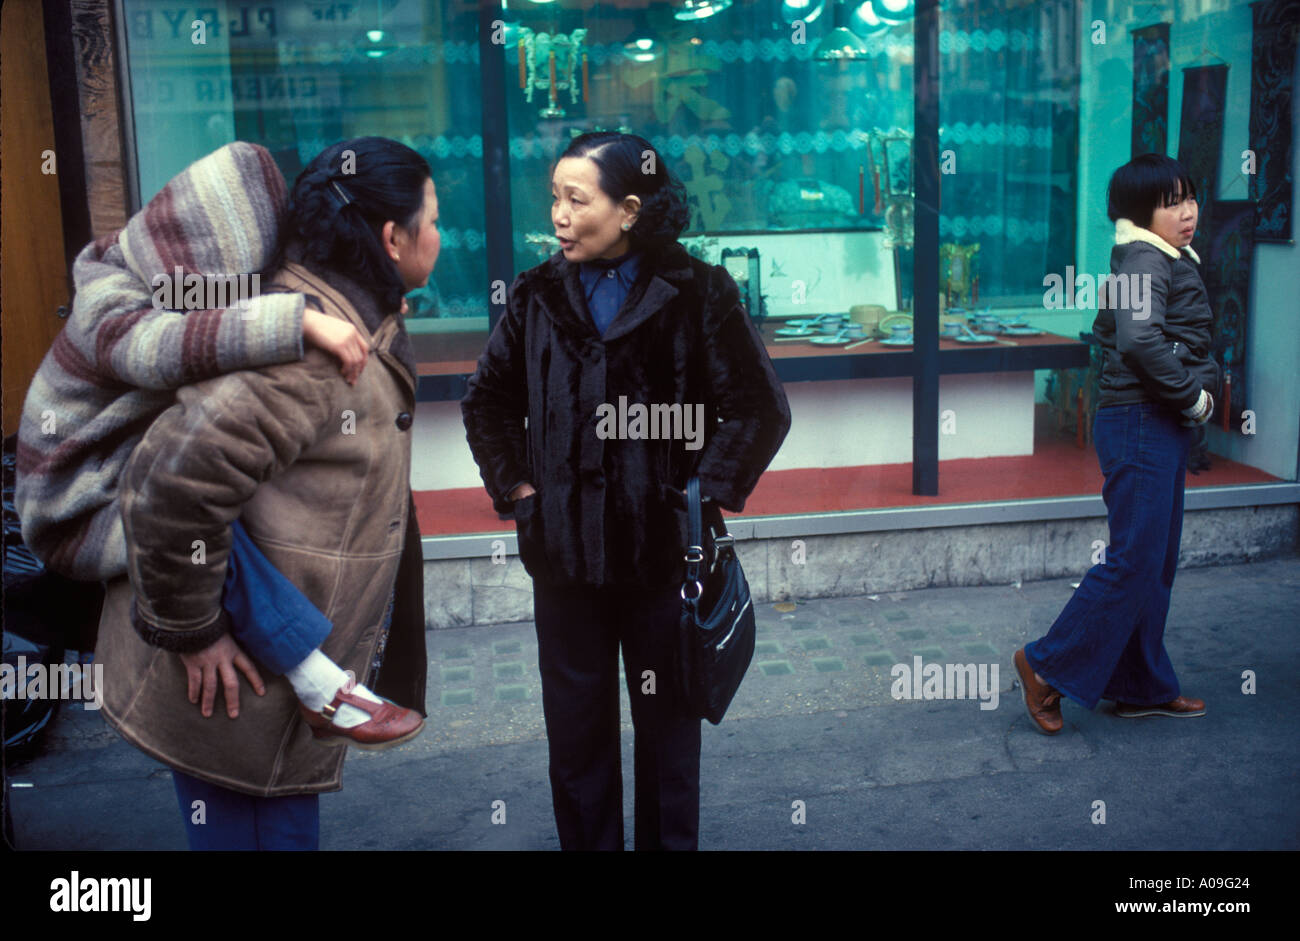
(814, 720)
(826, 655)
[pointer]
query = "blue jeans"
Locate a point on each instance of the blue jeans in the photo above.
(1108, 642)
(270, 618)
(276, 624)
(235, 821)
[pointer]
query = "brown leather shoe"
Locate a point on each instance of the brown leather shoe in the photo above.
(1042, 702)
(1182, 707)
(389, 724)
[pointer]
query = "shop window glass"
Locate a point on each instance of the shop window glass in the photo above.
(799, 172)
(1178, 78)
(298, 76)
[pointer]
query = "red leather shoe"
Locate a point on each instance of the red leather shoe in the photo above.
(1042, 702)
(1179, 708)
(389, 724)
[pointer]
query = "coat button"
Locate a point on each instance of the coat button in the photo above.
(403, 421)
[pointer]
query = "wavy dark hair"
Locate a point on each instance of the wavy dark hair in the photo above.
(1145, 184)
(620, 159)
(339, 216)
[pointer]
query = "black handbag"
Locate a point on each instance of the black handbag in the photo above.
(715, 641)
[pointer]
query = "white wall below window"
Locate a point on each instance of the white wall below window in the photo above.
(840, 423)
(860, 422)
(805, 273)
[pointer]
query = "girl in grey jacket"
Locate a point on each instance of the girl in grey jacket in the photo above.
(1157, 385)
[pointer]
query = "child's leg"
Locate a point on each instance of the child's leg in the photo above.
(279, 626)
(270, 618)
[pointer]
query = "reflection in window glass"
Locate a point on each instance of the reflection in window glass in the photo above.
(296, 77)
(801, 167)
(765, 136)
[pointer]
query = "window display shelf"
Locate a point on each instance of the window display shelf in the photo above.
(801, 361)
(446, 360)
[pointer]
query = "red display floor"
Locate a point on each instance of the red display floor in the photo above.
(1057, 468)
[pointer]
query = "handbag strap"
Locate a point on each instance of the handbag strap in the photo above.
(694, 541)
(697, 553)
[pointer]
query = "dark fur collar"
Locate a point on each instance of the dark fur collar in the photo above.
(664, 274)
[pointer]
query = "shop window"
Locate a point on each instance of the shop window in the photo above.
(799, 172)
(298, 76)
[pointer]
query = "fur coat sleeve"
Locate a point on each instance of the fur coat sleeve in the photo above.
(748, 397)
(495, 404)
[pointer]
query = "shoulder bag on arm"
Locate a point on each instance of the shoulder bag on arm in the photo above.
(716, 632)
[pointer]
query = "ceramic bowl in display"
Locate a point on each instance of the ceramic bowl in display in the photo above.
(885, 328)
(867, 314)
(811, 321)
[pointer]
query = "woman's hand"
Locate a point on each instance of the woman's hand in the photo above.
(337, 337)
(220, 660)
(523, 490)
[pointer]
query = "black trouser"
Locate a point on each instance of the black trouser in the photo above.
(578, 634)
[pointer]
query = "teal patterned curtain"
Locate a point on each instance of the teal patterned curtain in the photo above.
(1008, 109)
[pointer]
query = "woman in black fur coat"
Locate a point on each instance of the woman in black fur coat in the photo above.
(621, 368)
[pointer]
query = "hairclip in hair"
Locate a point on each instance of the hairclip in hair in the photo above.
(343, 197)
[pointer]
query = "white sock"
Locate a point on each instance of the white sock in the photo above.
(318, 678)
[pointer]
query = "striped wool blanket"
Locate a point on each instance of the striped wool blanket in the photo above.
(115, 365)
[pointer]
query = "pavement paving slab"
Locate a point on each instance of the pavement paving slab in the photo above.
(816, 751)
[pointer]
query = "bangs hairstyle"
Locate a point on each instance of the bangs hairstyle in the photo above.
(1145, 184)
(618, 159)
